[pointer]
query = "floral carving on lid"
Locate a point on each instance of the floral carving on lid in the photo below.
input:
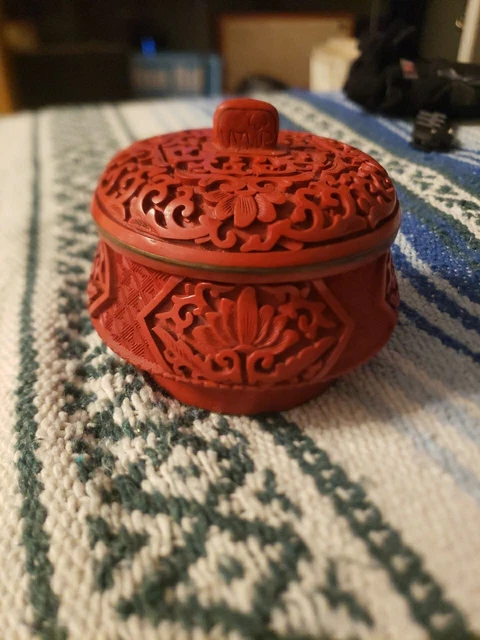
(285, 193)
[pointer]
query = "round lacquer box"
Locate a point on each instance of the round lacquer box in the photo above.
(243, 268)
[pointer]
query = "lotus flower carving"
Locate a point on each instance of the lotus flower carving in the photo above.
(243, 326)
(245, 203)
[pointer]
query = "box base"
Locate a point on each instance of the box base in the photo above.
(241, 401)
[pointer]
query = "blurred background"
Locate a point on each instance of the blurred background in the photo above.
(72, 51)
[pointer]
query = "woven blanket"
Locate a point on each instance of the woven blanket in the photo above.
(127, 515)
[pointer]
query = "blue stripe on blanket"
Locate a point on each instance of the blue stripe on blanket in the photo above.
(375, 129)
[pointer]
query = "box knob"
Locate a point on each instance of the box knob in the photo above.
(245, 123)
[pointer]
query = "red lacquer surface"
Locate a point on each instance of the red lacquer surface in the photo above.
(307, 200)
(244, 199)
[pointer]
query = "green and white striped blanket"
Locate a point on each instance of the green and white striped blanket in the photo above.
(125, 515)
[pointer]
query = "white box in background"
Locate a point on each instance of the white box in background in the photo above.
(330, 63)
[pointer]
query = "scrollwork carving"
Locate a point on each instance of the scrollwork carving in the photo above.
(305, 192)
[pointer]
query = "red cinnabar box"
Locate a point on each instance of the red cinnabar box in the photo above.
(243, 268)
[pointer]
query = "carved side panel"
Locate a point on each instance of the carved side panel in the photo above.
(388, 294)
(392, 296)
(233, 335)
(130, 287)
(101, 285)
(245, 335)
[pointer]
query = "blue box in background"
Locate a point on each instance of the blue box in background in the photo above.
(173, 73)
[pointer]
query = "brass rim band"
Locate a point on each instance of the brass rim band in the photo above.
(317, 267)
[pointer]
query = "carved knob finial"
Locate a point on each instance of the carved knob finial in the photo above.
(245, 123)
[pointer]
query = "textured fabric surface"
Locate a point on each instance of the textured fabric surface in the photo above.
(127, 515)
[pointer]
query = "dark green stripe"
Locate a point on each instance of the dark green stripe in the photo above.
(367, 523)
(35, 539)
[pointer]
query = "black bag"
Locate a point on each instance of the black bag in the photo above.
(382, 80)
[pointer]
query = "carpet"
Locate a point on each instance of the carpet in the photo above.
(126, 515)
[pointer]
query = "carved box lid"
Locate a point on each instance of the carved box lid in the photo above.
(246, 198)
